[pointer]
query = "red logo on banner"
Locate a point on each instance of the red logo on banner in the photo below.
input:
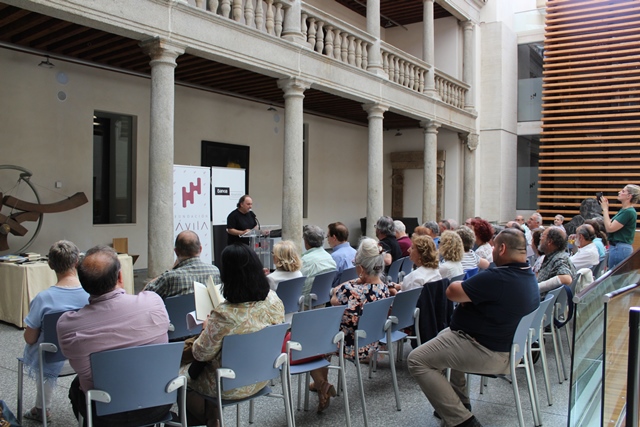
(188, 195)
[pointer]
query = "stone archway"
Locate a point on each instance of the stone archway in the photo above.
(401, 161)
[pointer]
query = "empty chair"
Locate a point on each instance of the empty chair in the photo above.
(348, 274)
(535, 332)
(407, 266)
(136, 378)
(320, 289)
(48, 352)
(316, 333)
(470, 273)
(177, 308)
(373, 325)
(290, 292)
(394, 269)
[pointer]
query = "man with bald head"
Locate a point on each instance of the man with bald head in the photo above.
(481, 331)
(187, 269)
(111, 320)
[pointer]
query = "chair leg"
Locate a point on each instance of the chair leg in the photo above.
(533, 386)
(393, 374)
(364, 405)
(20, 390)
(557, 354)
(307, 381)
(545, 368)
(238, 415)
(564, 368)
(342, 379)
(516, 393)
(286, 396)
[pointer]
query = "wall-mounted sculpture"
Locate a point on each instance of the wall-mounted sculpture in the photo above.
(19, 211)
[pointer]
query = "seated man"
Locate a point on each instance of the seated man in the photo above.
(187, 269)
(556, 268)
(404, 241)
(433, 231)
(315, 260)
(111, 320)
(587, 255)
(386, 234)
(481, 332)
(343, 254)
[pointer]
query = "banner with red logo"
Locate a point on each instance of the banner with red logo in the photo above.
(192, 204)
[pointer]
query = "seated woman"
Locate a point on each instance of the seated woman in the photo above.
(66, 294)
(484, 233)
(287, 262)
(470, 259)
(451, 252)
(424, 255)
(249, 307)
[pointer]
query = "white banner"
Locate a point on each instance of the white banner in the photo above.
(192, 204)
(228, 186)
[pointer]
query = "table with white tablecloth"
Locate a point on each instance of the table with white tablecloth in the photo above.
(20, 283)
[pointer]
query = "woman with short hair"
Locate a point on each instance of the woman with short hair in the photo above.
(451, 252)
(424, 255)
(287, 262)
(484, 233)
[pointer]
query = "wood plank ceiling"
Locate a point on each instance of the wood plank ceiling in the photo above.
(20, 28)
(591, 103)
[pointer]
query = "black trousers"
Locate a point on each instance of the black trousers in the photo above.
(123, 419)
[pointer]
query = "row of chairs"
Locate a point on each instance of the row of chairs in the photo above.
(398, 269)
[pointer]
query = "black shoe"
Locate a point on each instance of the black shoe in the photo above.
(471, 422)
(466, 405)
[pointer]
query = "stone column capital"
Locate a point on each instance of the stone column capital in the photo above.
(161, 50)
(467, 25)
(470, 139)
(430, 126)
(375, 109)
(293, 86)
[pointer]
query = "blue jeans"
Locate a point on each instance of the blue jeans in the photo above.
(619, 253)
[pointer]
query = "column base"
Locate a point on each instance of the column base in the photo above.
(378, 71)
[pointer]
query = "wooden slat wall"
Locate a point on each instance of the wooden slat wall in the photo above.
(591, 103)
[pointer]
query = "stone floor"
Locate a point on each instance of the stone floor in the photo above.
(493, 408)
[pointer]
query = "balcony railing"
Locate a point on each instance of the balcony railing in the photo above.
(404, 69)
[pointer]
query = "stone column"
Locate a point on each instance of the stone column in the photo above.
(373, 28)
(160, 223)
(469, 64)
(430, 171)
(293, 89)
(375, 202)
(291, 29)
(428, 47)
(470, 143)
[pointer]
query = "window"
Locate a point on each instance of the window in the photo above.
(527, 185)
(530, 59)
(113, 175)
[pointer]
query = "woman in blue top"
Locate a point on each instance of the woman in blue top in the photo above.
(622, 227)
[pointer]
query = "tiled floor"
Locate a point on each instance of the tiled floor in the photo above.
(493, 408)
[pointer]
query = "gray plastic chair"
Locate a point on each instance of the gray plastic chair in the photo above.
(320, 289)
(394, 269)
(535, 332)
(133, 378)
(404, 314)
(552, 331)
(373, 325)
(48, 352)
(177, 308)
(348, 274)
(407, 266)
(316, 333)
(290, 292)
(249, 359)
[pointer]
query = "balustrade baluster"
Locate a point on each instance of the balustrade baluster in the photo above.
(237, 10)
(365, 55)
(269, 20)
(249, 16)
(396, 73)
(351, 58)
(421, 86)
(279, 19)
(337, 45)
(344, 50)
(401, 69)
(412, 77)
(225, 8)
(312, 33)
(385, 64)
(358, 53)
(259, 15)
(328, 41)
(303, 25)
(200, 4)
(320, 37)
(212, 5)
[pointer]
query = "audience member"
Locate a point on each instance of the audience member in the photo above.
(66, 294)
(424, 255)
(451, 252)
(249, 306)
(386, 234)
(484, 233)
(587, 255)
(534, 221)
(315, 260)
(432, 230)
(444, 225)
(556, 269)
(535, 246)
(558, 220)
(111, 320)
(421, 231)
(452, 223)
(479, 339)
(342, 253)
(287, 262)
(470, 259)
(404, 241)
(601, 237)
(622, 227)
(187, 269)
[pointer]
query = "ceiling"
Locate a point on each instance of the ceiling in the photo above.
(39, 33)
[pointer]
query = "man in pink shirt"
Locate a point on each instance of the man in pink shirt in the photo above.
(111, 320)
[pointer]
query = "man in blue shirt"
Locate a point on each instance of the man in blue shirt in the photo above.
(343, 254)
(479, 339)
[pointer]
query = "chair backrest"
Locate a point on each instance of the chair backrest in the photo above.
(374, 316)
(252, 356)
(536, 323)
(457, 278)
(598, 269)
(394, 269)
(470, 273)
(522, 333)
(315, 330)
(551, 308)
(50, 335)
(404, 306)
(407, 265)
(321, 287)
(348, 274)
(435, 309)
(136, 377)
(290, 291)
(177, 308)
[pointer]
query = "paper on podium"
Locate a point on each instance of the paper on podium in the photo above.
(263, 231)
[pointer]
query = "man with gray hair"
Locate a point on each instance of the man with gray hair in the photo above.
(315, 260)
(386, 234)
(404, 241)
(556, 269)
(433, 231)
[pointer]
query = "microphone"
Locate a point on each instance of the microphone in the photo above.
(253, 214)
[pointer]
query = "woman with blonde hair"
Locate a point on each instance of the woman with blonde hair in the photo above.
(621, 228)
(287, 262)
(424, 255)
(451, 252)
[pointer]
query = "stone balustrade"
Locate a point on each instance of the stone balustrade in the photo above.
(404, 69)
(334, 38)
(264, 15)
(452, 91)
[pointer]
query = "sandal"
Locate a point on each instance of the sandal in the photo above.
(326, 392)
(35, 414)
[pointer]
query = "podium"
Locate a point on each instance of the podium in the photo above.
(262, 243)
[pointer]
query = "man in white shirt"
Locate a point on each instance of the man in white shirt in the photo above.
(587, 255)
